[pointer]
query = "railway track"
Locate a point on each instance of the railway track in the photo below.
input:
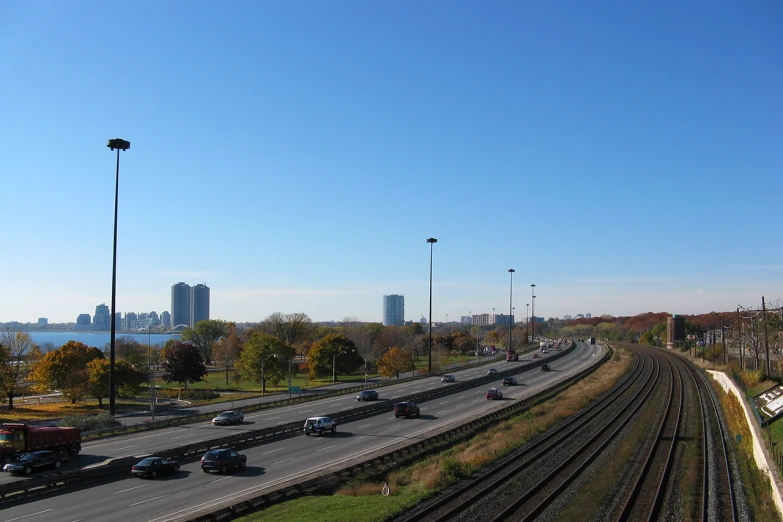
(529, 482)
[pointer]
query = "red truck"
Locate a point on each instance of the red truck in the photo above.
(18, 437)
(512, 355)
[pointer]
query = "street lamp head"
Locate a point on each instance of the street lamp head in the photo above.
(511, 270)
(432, 240)
(118, 143)
(533, 286)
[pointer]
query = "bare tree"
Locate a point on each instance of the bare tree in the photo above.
(228, 349)
(289, 328)
(17, 354)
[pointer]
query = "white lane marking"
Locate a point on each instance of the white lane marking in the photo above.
(441, 411)
(268, 452)
(461, 396)
(357, 438)
(124, 447)
(363, 426)
(220, 479)
(326, 448)
(148, 500)
(130, 489)
(444, 402)
(272, 418)
(30, 515)
(183, 436)
(391, 428)
(281, 461)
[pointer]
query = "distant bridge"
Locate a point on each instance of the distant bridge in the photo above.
(178, 329)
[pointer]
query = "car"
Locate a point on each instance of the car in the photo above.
(151, 467)
(227, 418)
(406, 409)
(494, 394)
(367, 395)
(492, 371)
(510, 381)
(545, 368)
(221, 460)
(33, 461)
(448, 378)
(535, 356)
(319, 425)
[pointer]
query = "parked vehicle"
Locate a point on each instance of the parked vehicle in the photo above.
(512, 355)
(221, 460)
(545, 368)
(151, 467)
(510, 381)
(17, 438)
(29, 462)
(448, 378)
(406, 409)
(319, 425)
(227, 418)
(367, 395)
(494, 394)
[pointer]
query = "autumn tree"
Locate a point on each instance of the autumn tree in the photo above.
(128, 379)
(205, 334)
(335, 353)
(362, 334)
(264, 358)
(396, 361)
(17, 355)
(392, 336)
(182, 362)
(289, 328)
(228, 348)
(65, 369)
(128, 349)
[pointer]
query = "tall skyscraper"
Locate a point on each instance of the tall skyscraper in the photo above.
(102, 318)
(180, 304)
(199, 304)
(165, 319)
(393, 310)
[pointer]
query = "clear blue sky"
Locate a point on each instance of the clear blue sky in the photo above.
(295, 156)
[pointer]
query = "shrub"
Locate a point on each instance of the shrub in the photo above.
(90, 422)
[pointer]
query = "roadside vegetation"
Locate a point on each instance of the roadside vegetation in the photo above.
(362, 501)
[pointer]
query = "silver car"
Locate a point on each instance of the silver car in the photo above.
(228, 417)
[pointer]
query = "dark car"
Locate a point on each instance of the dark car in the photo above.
(494, 393)
(221, 460)
(448, 378)
(545, 368)
(492, 371)
(228, 418)
(153, 466)
(406, 409)
(33, 461)
(535, 356)
(367, 395)
(510, 381)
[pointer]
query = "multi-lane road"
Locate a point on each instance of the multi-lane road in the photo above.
(278, 462)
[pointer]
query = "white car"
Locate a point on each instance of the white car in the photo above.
(319, 425)
(228, 417)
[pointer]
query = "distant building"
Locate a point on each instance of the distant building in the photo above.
(503, 320)
(180, 304)
(675, 330)
(481, 319)
(84, 320)
(566, 317)
(165, 319)
(423, 320)
(153, 317)
(580, 316)
(466, 319)
(588, 316)
(43, 321)
(393, 310)
(199, 304)
(102, 318)
(130, 321)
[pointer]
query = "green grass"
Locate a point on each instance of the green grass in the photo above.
(337, 508)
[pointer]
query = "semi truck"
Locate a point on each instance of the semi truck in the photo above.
(592, 340)
(512, 355)
(19, 437)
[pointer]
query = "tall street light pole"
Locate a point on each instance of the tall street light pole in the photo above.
(527, 322)
(431, 241)
(334, 365)
(510, 308)
(118, 144)
(533, 312)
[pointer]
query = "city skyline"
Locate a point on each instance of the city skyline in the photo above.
(624, 159)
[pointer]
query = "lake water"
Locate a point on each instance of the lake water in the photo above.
(96, 339)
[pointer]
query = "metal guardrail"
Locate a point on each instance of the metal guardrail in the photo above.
(117, 467)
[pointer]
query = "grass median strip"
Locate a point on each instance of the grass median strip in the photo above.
(362, 501)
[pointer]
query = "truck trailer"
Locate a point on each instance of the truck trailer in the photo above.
(512, 355)
(19, 437)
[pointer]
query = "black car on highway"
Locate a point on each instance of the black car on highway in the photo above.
(33, 461)
(151, 467)
(367, 395)
(406, 409)
(221, 460)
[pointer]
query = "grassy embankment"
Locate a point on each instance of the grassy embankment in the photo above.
(361, 501)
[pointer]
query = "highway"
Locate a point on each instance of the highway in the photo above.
(277, 462)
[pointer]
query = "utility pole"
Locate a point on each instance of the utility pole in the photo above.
(742, 348)
(766, 340)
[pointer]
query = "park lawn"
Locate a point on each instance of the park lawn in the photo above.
(31, 411)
